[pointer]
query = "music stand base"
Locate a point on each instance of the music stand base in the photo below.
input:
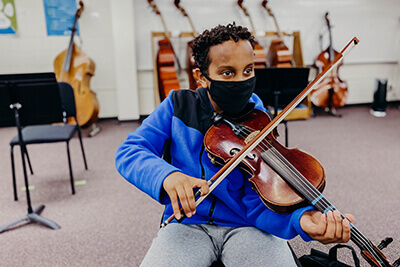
(95, 130)
(332, 112)
(32, 217)
(328, 111)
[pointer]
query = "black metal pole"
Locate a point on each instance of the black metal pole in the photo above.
(15, 107)
(33, 215)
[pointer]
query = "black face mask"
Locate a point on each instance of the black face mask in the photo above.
(231, 96)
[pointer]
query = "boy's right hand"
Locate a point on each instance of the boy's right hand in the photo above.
(180, 186)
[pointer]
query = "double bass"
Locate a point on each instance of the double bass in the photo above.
(76, 68)
(260, 60)
(278, 54)
(190, 63)
(165, 61)
(332, 92)
(283, 178)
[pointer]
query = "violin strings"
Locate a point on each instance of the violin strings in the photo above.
(308, 188)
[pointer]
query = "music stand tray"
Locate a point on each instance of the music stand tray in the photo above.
(28, 99)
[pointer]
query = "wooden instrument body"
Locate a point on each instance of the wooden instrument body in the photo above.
(332, 91)
(167, 77)
(76, 68)
(78, 76)
(279, 55)
(222, 144)
(190, 65)
(260, 60)
(332, 84)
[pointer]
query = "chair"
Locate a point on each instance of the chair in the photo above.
(52, 133)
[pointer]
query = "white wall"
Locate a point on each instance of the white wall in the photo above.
(104, 40)
(375, 23)
(117, 36)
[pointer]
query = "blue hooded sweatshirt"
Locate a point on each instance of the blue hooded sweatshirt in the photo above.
(183, 119)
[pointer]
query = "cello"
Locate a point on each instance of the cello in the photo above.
(165, 61)
(76, 68)
(190, 63)
(248, 142)
(260, 61)
(278, 54)
(332, 91)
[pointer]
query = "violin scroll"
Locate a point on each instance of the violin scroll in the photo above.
(176, 3)
(374, 256)
(240, 4)
(79, 10)
(269, 10)
(154, 6)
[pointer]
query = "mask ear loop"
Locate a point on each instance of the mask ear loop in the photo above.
(207, 77)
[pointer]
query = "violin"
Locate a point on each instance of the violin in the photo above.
(278, 54)
(285, 179)
(227, 137)
(190, 63)
(166, 58)
(332, 91)
(260, 60)
(76, 68)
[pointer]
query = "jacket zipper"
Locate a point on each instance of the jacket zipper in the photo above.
(212, 210)
(203, 177)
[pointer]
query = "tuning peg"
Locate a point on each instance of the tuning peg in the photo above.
(396, 263)
(384, 243)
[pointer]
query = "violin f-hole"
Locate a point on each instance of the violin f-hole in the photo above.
(236, 150)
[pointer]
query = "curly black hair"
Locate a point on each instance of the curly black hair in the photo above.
(215, 36)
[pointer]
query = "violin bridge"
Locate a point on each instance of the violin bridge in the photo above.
(250, 137)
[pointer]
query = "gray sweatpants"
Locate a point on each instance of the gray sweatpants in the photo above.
(201, 245)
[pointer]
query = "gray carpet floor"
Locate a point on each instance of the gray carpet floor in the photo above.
(108, 222)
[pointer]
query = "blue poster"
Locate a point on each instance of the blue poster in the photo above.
(8, 19)
(60, 16)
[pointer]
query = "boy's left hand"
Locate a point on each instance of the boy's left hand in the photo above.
(326, 228)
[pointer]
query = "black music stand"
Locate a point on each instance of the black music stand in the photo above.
(29, 99)
(277, 87)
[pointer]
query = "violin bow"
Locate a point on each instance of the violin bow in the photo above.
(234, 162)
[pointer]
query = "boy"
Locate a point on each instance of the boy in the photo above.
(232, 223)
